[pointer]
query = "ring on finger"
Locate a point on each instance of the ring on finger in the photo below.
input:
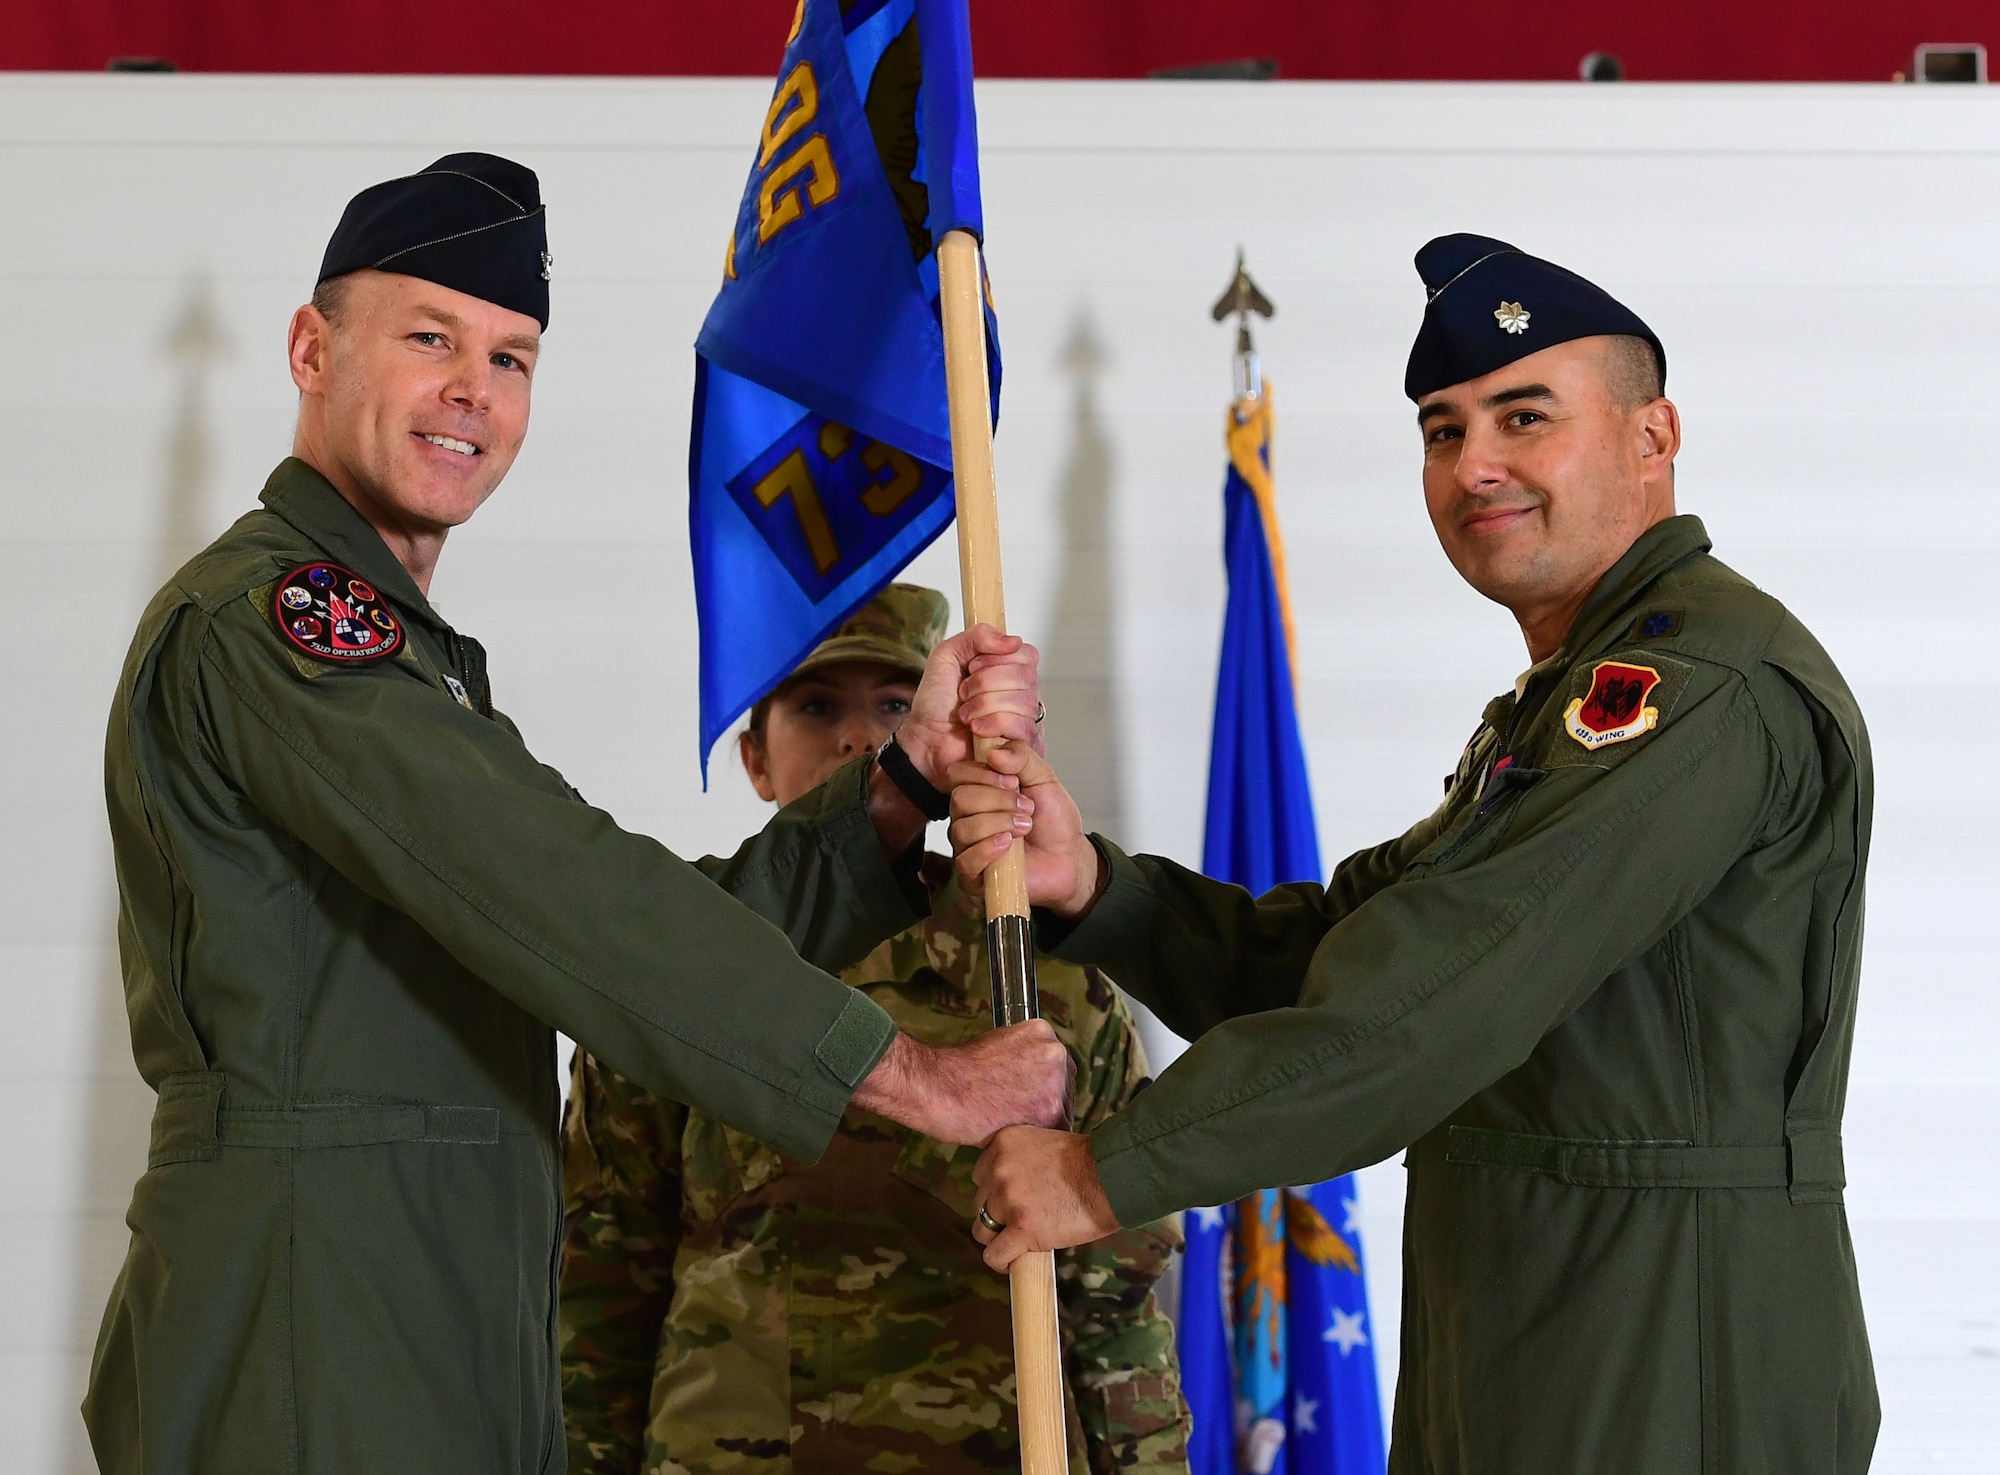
(989, 1222)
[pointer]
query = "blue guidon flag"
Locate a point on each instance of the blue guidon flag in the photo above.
(820, 461)
(1276, 1348)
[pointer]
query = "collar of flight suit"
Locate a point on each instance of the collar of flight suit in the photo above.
(1625, 583)
(308, 501)
(1652, 553)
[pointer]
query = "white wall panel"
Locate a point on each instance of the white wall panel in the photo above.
(1823, 263)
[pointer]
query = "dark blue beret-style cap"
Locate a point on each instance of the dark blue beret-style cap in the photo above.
(1491, 303)
(470, 222)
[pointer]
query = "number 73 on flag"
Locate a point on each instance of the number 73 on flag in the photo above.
(824, 499)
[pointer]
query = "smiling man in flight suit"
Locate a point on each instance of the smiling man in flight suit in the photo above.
(1605, 993)
(355, 908)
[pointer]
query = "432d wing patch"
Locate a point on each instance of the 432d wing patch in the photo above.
(1625, 697)
(1614, 710)
(334, 615)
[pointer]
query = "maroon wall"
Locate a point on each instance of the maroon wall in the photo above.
(1669, 40)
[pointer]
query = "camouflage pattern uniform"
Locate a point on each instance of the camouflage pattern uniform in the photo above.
(727, 1310)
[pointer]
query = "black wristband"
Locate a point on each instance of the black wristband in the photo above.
(931, 801)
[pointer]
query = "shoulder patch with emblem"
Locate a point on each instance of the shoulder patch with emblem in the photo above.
(1617, 706)
(335, 615)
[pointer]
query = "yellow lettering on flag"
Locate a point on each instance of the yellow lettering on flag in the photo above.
(793, 478)
(777, 206)
(784, 119)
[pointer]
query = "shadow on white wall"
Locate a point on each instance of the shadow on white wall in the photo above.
(121, 1104)
(1079, 660)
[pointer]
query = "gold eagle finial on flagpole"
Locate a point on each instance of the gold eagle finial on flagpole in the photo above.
(1249, 424)
(1243, 298)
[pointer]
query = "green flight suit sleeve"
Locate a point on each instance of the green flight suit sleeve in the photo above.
(621, 1231)
(789, 872)
(1266, 968)
(608, 936)
(1429, 989)
(1118, 1342)
(816, 870)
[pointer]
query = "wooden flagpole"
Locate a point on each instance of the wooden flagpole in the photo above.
(1010, 955)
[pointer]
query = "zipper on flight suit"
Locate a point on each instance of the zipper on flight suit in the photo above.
(1505, 778)
(469, 656)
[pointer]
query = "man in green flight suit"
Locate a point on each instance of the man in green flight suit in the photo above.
(353, 905)
(729, 1310)
(1605, 993)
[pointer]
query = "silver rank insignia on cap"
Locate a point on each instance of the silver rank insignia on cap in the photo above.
(1509, 315)
(548, 262)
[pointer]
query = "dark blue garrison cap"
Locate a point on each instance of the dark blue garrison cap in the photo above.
(1491, 304)
(470, 222)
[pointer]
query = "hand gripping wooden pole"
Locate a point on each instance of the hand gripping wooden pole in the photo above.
(1010, 955)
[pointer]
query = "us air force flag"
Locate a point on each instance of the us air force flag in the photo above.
(1276, 1351)
(820, 460)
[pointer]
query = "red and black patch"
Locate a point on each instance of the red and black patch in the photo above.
(1614, 710)
(334, 615)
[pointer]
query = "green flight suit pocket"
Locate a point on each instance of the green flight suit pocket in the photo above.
(1481, 825)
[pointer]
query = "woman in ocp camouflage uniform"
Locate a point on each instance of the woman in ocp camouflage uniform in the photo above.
(730, 1311)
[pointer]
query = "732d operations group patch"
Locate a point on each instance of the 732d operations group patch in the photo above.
(334, 615)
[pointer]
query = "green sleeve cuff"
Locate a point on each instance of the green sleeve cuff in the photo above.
(880, 883)
(857, 1040)
(1122, 914)
(1138, 1194)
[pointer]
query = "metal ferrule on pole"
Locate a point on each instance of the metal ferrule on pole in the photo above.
(1010, 945)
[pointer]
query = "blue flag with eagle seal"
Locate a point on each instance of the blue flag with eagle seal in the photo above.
(820, 457)
(1276, 1347)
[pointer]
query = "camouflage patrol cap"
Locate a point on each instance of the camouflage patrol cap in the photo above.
(898, 627)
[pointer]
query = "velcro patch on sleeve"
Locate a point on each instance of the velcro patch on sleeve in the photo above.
(1615, 701)
(333, 615)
